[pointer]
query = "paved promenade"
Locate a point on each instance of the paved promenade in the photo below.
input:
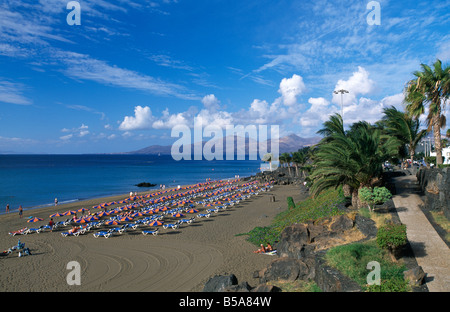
(430, 251)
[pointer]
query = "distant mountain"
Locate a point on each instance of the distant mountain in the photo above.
(290, 143)
(293, 143)
(153, 150)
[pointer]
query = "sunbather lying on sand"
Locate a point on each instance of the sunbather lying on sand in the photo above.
(264, 249)
(73, 230)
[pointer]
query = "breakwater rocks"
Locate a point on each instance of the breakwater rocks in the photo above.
(281, 176)
(300, 256)
(435, 185)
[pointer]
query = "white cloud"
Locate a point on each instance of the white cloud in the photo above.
(260, 112)
(358, 84)
(142, 119)
(444, 50)
(210, 102)
(290, 88)
(395, 100)
(80, 132)
(66, 137)
(12, 93)
(80, 66)
(83, 133)
(318, 112)
(214, 118)
(168, 121)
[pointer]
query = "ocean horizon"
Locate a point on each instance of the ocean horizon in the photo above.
(35, 180)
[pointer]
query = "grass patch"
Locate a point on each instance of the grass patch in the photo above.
(380, 219)
(296, 286)
(352, 261)
(324, 205)
(442, 222)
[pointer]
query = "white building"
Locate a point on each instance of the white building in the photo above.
(445, 155)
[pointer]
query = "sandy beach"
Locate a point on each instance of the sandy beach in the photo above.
(176, 260)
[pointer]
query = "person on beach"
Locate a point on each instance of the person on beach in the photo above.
(7, 208)
(56, 201)
(20, 211)
(51, 223)
(260, 250)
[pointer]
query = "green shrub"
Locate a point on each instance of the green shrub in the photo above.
(375, 196)
(262, 235)
(430, 160)
(442, 166)
(290, 202)
(391, 236)
(324, 205)
(352, 260)
(397, 284)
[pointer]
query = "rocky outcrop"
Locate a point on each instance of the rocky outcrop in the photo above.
(287, 269)
(415, 276)
(302, 246)
(300, 256)
(329, 279)
(435, 185)
(220, 283)
(281, 176)
(229, 283)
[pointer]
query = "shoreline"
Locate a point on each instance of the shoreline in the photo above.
(88, 203)
(175, 260)
(100, 197)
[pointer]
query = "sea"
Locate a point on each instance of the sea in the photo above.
(34, 181)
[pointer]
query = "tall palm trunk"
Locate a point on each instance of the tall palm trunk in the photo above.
(412, 152)
(355, 198)
(437, 137)
(347, 190)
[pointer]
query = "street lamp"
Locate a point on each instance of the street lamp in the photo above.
(342, 91)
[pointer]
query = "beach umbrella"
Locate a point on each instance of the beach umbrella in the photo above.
(55, 215)
(81, 220)
(103, 213)
(35, 219)
(156, 223)
(137, 214)
(192, 210)
(112, 222)
(91, 218)
(178, 215)
(69, 212)
(126, 219)
(82, 210)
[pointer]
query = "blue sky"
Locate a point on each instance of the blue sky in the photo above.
(133, 70)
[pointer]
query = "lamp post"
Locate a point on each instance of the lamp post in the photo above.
(342, 91)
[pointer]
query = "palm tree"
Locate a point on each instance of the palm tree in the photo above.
(268, 158)
(448, 133)
(353, 158)
(430, 89)
(287, 159)
(404, 129)
(299, 159)
(333, 126)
